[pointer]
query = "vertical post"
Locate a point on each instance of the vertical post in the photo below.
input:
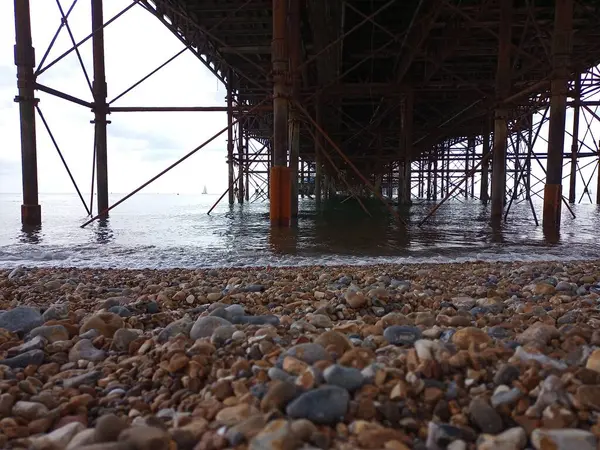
(449, 167)
(301, 182)
(561, 52)
(318, 157)
(25, 62)
(440, 151)
(295, 59)
(406, 122)
(280, 207)
(473, 154)
(247, 161)
(435, 176)
(467, 155)
(529, 152)
(100, 107)
(515, 193)
(501, 113)
(575, 141)
(241, 162)
(230, 142)
(598, 188)
(485, 166)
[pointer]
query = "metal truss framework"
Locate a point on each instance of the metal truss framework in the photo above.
(455, 101)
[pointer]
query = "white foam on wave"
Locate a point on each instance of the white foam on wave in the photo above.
(194, 257)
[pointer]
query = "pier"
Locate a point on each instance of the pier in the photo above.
(439, 100)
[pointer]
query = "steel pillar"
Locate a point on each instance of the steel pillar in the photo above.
(501, 114)
(484, 192)
(230, 142)
(406, 121)
(25, 61)
(280, 180)
(318, 154)
(295, 48)
(100, 108)
(561, 55)
(575, 141)
(241, 162)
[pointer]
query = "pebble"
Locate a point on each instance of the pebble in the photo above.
(402, 335)
(563, 439)
(485, 417)
(309, 353)
(84, 349)
(324, 405)
(348, 378)
(21, 319)
(206, 326)
(511, 439)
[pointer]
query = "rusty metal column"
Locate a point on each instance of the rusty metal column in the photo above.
(100, 107)
(280, 207)
(501, 113)
(318, 158)
(25, 62)
(230, 137)
(561, 55)
(485, 166)
(575, 142)
(295, 47)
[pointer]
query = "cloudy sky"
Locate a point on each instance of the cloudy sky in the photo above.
(139, 144)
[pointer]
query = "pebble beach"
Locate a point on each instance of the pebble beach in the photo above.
(452, 356)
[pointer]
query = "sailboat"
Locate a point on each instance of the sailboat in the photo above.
(204, 192)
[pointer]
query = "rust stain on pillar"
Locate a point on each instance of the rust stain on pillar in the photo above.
(100, 107)
(501, 114)
(280, 208)
(561, 53)
(25, 62)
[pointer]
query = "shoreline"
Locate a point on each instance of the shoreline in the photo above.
(386, 356)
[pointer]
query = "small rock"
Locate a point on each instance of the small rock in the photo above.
(277, 435)
(106, 323)
(181, 326)
(511, 439)
(310, 353)
(21, 319)
(206, 326)
(402, 334)
(538, 332)
(59, 438)
(324, 405)
(563, 439)
(485, 417)
(280, 393)
(52, 333)
(29, 410)
(348, 378)
(30, 358)
(470, 336)
(84, 349)
(108, 428)
(146, 438)
(123, 337)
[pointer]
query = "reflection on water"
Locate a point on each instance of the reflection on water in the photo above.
(171, 231)
(30, 234)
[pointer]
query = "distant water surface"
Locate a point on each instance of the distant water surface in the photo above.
(167, 231)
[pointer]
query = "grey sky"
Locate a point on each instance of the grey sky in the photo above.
(140, 144)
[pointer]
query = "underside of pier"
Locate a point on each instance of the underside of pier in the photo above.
(397, 99)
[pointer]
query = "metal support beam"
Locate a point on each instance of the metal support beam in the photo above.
(575, 141)
(100, 108)
(280, 181)
(485, 176)
(25, 62)
(295, 44)
(230, 142)
(501, 115)
(561, 55)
